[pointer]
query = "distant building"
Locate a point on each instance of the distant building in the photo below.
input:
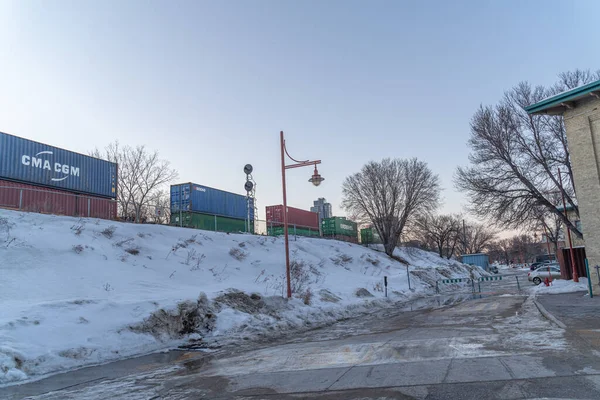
(323, 208)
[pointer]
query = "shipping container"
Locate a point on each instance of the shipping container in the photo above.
(209, 222)
(480, 260)
(26, 161)
(296, 216)
(293, 230)
(338, 226)
(369, 236)
(24, 197)
(343, 238)
(206, 200)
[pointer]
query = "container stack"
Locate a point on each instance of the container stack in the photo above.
(300, 222)
(340, 228)
(369, 236)
(41, 178)
(202, 207)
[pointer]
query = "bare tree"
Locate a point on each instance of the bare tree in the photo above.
(391, 195)
(524, 248)
(515, 157)
(548, 225)
(142, 174)
(500, 250)
(474, 238)
(159, 210)
(439, 232)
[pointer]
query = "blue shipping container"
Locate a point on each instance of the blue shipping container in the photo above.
(39, 164)
(203, 199)
(480, 260)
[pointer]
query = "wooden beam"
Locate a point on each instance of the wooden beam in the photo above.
(568, 104)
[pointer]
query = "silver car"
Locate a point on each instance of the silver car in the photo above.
(543, 272)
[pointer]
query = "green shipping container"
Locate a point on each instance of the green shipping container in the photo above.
(369, 236)
(209, 222)
(339, 226)
(366, 235)
(278, 231)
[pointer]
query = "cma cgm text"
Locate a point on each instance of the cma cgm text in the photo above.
(36, 162)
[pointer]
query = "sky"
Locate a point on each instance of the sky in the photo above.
(211, 84)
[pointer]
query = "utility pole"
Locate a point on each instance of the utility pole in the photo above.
(464, 237)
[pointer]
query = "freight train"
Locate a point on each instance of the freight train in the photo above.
(42, 178)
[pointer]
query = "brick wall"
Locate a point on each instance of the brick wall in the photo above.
(583, 135)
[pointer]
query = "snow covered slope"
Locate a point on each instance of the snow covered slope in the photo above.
(83, 291)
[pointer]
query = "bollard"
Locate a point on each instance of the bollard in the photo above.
(518, 285)
(385, 284)
(472, 285)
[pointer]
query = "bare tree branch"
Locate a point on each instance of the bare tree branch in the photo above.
(391, 195)
(141, 177)
(515, 157)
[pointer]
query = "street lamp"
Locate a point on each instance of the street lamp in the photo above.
(315, 179)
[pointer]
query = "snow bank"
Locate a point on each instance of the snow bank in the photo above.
(75, 292)
(562, 286)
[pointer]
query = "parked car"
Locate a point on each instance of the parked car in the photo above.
(536, 265)
(543, 272)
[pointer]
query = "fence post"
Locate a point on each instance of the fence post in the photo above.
(437, 287)
(20, 198)
(215, 223)
(295, 236)
(479, 284)
(518, 285)
(472, 285)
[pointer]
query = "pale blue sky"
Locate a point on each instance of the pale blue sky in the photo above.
(211, 84)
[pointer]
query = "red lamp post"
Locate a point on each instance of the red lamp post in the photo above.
(315, 179)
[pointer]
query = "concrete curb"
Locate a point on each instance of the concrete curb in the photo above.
(548, 315)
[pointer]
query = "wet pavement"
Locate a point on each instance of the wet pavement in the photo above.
(576, 310)
(485, 348)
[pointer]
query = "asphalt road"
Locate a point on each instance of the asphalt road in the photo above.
(489, 348)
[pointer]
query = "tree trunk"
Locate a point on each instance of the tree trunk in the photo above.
(389, 248)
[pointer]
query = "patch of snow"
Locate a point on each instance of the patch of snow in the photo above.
(529, 330)
(77, 292)
(562, 286)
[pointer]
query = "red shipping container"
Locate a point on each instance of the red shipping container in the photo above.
(20, 196)
(296, 216)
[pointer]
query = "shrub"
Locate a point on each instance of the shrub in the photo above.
(120, 243)
(109, 232)
(77, 229)
(133, 251)
(307, 297)
(237, 254)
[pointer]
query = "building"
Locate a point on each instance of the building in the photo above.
(323, 208)
(580, 108)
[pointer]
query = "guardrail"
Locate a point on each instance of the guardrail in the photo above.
(497, 283)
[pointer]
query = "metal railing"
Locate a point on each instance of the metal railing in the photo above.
(486, 284)
(51, 201)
